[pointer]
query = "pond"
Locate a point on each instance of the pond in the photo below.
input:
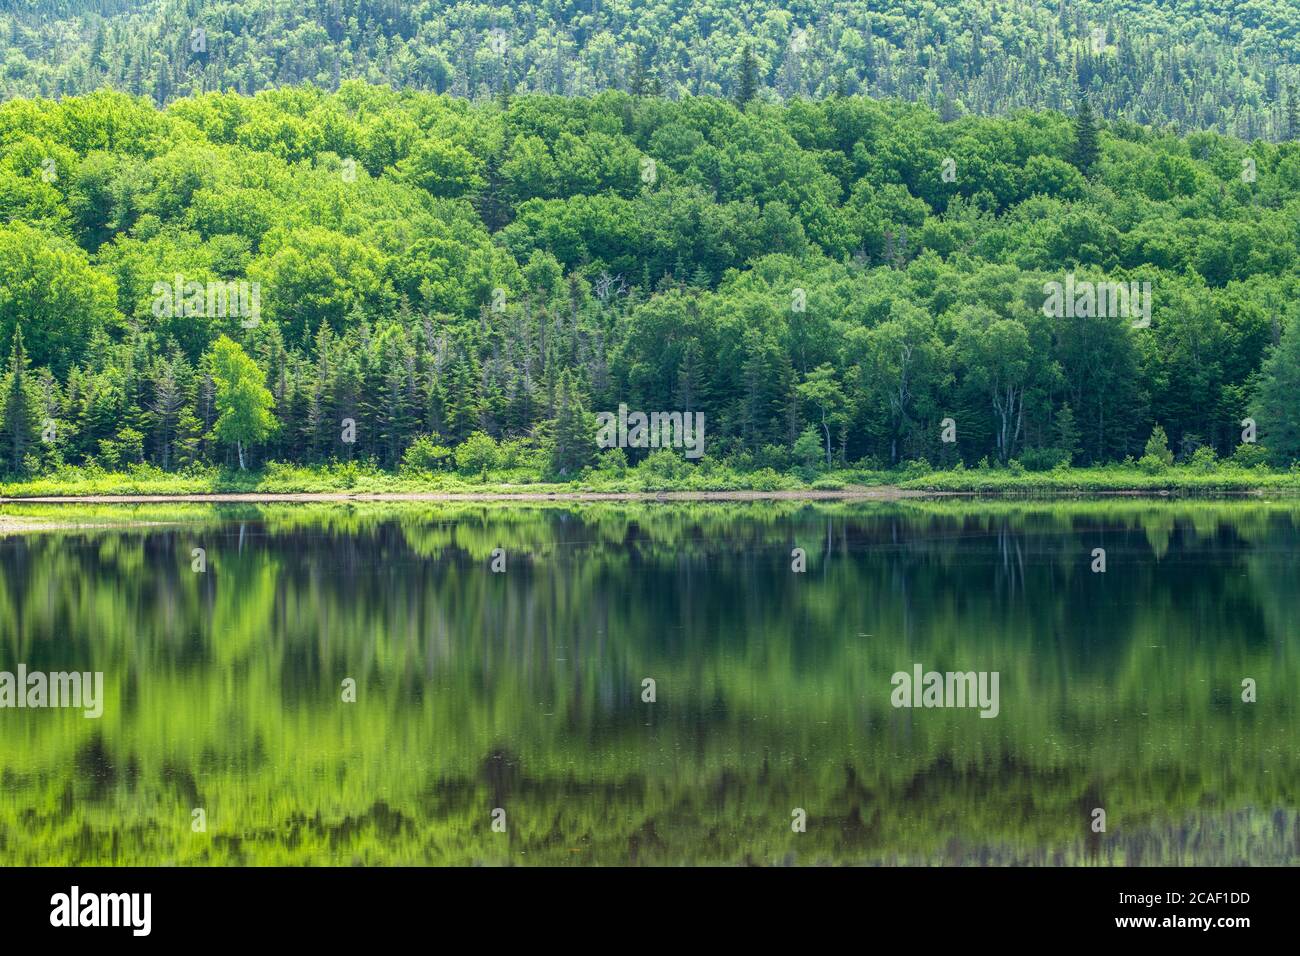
(609, 684)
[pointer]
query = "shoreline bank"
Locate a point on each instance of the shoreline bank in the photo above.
(879, 493)
(864, 493)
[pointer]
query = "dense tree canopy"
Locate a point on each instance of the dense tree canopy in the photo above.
(432, 269)
(1226, 66)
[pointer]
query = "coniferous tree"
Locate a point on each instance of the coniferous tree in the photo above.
(1067, 432)
(1275, 397)
(638, 85)
(747, 82)
(491, 202)
(1087, 149)
(21, 426)
(165, 410)
(574, 436)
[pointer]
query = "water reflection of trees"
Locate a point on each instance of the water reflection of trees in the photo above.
(1119, 688)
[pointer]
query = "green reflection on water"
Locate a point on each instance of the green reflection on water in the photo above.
(522, 690)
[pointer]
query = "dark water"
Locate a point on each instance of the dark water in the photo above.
(522, 691)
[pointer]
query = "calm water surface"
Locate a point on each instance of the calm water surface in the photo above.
(523, 690)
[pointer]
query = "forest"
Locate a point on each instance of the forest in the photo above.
(412, 280)
(1183, 64)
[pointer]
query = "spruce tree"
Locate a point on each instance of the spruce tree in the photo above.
(165, 410)
(1067, 432)
(20, 424)
(1275, 393)
(320, 408)
(690, 378)
(1087, 149)
(491, 202)
(574, 437)
(747, 84)
(639, 82)
(506, 93)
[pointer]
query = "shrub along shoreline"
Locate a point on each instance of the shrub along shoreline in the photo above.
(701, 481)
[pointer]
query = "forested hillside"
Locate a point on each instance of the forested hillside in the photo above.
(1226, 66)
(821, 280)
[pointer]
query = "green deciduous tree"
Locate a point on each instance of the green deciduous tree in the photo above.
(821, 391)
(243, 403)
